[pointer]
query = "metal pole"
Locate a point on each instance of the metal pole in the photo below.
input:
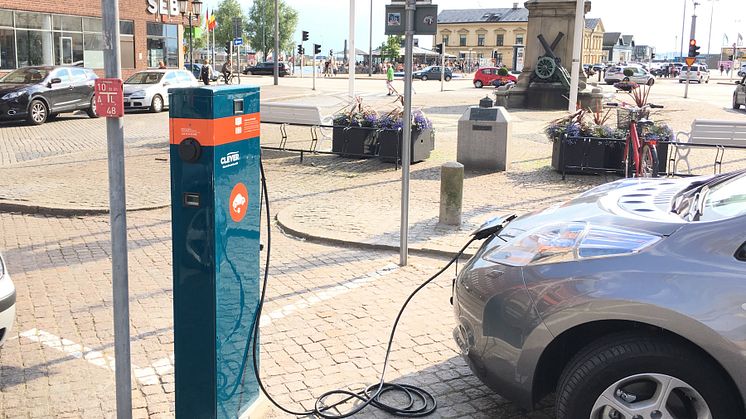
(709, 36)
(314, 70)
(683, 22)
(277, 43)
(191, 52)
(118, 219)
(213, 48)
(407, 134)
(577, 42)
(351, 59)
(691, 36)
(442, 67)
(370, 42)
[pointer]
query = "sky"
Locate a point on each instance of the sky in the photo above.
(652, 22)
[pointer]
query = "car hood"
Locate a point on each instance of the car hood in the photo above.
(12, 87)
(635, 204)
(132, 88)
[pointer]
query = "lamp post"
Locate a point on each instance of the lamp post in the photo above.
(191, 14)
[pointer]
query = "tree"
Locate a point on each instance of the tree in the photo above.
(261, 26)
(226, 11)
(391, 48)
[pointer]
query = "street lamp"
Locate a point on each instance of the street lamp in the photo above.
(195, 12)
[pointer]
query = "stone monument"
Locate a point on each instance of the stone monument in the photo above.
(544, 81)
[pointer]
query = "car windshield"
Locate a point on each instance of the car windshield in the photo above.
(725, 200)
(146, 77)
(26, 76)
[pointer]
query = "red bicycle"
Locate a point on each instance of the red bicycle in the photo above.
(640, 153)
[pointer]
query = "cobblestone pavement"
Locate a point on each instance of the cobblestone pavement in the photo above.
(58, 361)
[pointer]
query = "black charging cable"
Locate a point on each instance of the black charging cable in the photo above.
(419, 402)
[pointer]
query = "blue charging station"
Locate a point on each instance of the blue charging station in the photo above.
(215, 208)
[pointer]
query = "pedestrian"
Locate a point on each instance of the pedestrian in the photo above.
(206, 72)
(227, 71)
(727, 70)
(162, 65)
(389, 79)
(722, 67)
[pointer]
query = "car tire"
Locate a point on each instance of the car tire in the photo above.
(447, 78)
(91, 110)
(735, 103)
(424, 77)
(37, 112)
(478, 84)
(650, 82)
(626, 366)
(157, 104)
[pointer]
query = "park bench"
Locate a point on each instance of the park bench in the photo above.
(707, 133)
(286, 114)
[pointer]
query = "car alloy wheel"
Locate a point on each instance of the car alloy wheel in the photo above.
(735, 102)
(37, 112)
(653, 396)
(157, 104)
(91, 110)
(478, 84)
(424, 77)
(447, 78)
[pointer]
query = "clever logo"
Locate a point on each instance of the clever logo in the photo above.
(230, 159)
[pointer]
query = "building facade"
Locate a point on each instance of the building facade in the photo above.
(487, 36)
(643, 53)
(69, 32)
(618, 48)
(593, 41)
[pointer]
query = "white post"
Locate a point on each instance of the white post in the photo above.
(213, 48)
(351, 56)
(407, 134)
(442, 67)
(577, 42)
(314, 70)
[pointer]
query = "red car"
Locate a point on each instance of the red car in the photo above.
(488, 76)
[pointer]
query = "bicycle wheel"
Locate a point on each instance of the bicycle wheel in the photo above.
(649, 161)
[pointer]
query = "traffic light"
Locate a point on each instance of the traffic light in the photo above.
(227, 47)
(730, 57)
(305, 35)
(300, 49)
(693, 48)
(652, 55)
(316, 48)
(439, 48)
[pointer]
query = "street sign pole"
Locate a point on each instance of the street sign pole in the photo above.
(118, 219)
(690, 60)
(442, 67)
(686, 88)
(407, 134)
(314, 71)
(276, 70)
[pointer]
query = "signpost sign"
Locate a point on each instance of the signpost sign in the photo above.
(238, 41)
(109, 98)
(690, 60)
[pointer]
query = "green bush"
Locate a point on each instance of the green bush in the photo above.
(628, 72)
(502, 71)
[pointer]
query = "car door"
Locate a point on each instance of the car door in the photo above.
(169, 80)
(82, 88)
(59, 94)
(741, 92)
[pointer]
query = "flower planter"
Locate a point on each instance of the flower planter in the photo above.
(390, 145)
(356, 142)
(586, 155)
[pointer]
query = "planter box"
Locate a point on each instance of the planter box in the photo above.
(354, 142)
(390, 145)
(586, 155)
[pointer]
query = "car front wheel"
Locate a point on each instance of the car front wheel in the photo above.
(157, 104)
(635, 375)
(478, 84)
(424, 77)
(651, 81)
(91, 110)
(735, 103)
(37, 112)
(447, 78)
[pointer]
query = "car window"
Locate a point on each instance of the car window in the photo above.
(26, 75)
(725, 200)
(145, 77)
(78, 75)
(63, 74)
(170, 77)
(185, 77)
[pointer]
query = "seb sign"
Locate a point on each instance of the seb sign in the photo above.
(163, 7)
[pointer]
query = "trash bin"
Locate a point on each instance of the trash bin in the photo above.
(483, 138)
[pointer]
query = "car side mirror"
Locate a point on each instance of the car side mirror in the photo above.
(166, 83)
(54, 81)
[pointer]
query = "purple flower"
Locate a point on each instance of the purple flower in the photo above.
(573, 130)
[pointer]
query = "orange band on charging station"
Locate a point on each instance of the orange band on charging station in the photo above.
(214, 132)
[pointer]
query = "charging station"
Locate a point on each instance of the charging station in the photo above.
(215, 209)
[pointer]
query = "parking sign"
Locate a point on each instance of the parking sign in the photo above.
(109, 98)
(238, 41)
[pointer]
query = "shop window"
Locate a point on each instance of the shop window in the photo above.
(6, 18)
(7, 49)
(93, 50)
(92, 24)
(29, 20)
(67, 23)
(162, 44)
(68, 48)
(127, 51)
(126, 27)
(34, 48)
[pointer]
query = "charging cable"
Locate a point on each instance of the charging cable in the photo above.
(419, 402)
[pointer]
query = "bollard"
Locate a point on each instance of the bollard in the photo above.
(451, 192)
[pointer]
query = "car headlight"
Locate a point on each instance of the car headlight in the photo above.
(568, 242)
(138, 94)
(13, 95)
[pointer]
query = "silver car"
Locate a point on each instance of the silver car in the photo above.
(628, 301)
(697, 72)
(149, 89)
(7, 302)
(639, 75)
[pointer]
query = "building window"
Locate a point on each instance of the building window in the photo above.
(462, 40)
(498, 58)
(519, 39)
(480, 40)
(445, 39)
(500, 41)
(162, 44)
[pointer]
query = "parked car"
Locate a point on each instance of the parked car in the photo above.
(488, 75)
(639, 75)
(268, 69)
(599, 67)
(196, 70)
(7, 302)
(698, 73)
(742, 71)
(149, 89)
(40, 93)
(429, 73)
(628, 301)
(739, 95)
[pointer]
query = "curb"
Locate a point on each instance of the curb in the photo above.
(420, 251)
(6, 206)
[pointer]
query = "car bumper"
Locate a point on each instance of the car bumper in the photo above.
(12, 109)
(137, 103)
(7, 308)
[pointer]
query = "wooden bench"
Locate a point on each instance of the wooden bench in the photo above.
(295, 114)
(708, 133)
